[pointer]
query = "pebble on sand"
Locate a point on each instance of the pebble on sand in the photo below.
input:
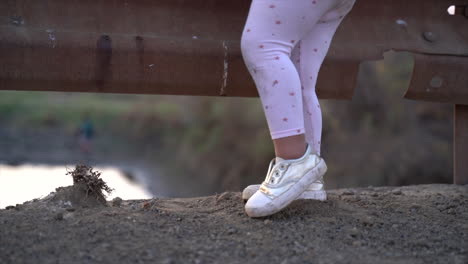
(117, 201)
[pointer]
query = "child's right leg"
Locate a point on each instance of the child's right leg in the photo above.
(308, 62)
(272, 30)
(308, 56)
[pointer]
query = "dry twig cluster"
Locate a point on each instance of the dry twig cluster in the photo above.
(85, 175)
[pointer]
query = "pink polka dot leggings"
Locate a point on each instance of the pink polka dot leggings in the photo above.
(283, 45)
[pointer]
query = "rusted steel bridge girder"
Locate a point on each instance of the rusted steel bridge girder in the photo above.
(192, 47)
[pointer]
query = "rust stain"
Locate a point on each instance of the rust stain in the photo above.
(103, 60)
(140, 48)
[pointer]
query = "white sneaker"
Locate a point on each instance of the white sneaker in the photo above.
(286, 180)
(315, 191)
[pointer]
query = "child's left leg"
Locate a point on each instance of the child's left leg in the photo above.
(272, 30)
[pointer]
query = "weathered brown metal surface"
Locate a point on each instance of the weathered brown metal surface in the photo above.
(460, 144)
(439, 78)
(192, 47)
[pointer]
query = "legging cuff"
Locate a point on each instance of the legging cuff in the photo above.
(287, 133)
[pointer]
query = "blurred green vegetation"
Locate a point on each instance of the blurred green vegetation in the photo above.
(23, 108)
(211, 144)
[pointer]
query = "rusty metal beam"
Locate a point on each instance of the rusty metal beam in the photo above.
(192, 47)
(460, 144)
(439, 78)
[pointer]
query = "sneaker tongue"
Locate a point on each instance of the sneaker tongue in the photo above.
(278, 159)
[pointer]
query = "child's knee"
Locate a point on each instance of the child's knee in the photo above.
(250, 48)
(258, 52)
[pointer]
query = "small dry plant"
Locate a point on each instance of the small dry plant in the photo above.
(85, 176)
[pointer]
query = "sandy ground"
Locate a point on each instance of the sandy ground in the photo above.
(413, 224)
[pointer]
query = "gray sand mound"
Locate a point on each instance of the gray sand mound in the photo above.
(412, 224)
(75, 196)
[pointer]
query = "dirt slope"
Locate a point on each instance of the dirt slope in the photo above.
(413, 224)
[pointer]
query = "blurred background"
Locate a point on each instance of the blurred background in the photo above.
(181, 146)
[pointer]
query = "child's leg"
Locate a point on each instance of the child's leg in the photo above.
(272, 30)
(308, 57)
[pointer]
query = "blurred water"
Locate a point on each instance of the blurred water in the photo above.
(19, 184)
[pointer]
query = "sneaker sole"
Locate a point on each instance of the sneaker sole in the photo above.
(290, 195)
(320, 195)
(313, 195)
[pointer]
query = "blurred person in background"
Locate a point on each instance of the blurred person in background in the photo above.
(85, 134)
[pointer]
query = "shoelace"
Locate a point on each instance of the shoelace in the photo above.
(268, 175)
(276, 171)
